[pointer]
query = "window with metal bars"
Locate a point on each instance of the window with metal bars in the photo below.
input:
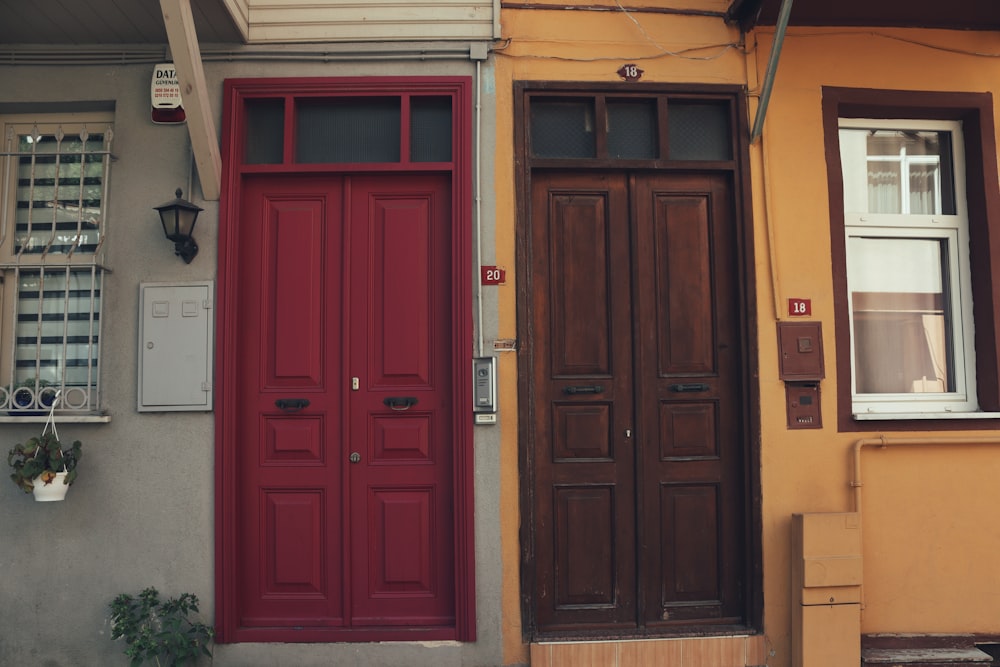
(52, 232)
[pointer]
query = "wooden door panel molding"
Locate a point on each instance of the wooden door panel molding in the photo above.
(292, 441)
(582, 431)
(401, 280)
(294, 289)
(691, 575)
(402, 439)
(295, 565)
(580, 277)
(681, 247)
(689, 430)
(584, 521)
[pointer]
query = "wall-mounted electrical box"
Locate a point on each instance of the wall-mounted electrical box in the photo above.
(827, 571)
(484, 389)
(175, 346)
(800, 365)
(800, 351)
(802, 405)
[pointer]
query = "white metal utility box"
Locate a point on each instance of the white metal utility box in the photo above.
(175, 346)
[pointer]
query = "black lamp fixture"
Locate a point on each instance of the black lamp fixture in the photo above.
(178, 218)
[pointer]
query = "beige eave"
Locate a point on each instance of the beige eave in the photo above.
(179, 22)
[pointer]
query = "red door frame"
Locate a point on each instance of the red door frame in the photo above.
(236, 91)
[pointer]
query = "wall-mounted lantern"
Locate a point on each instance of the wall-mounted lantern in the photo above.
(178, 217)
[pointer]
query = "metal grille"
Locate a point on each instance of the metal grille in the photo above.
(348, 130)
(563, 129)
(53, 279)
(699, 131)
(632, 130)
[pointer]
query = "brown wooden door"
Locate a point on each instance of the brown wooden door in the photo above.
(637, 403)
(346, 516)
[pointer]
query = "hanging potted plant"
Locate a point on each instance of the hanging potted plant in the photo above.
(42, 465)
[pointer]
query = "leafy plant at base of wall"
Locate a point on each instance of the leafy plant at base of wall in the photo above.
(159, 631)
(43, 456)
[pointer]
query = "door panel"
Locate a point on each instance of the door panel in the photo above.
(636, 381)
(402, 541)
(689, 408)
(342, 278)
(585, 484)
(290, 335)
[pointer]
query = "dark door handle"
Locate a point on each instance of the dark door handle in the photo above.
(292, 404)
(584, 389)
(689, 387)
(399, 402)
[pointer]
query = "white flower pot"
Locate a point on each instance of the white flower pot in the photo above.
(54, 490)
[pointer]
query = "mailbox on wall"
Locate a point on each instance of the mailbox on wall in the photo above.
(800, 349)
(175, 346)
(800, 365)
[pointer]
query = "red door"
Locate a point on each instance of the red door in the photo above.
(345, 473)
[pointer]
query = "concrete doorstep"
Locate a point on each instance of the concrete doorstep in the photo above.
(924, 657)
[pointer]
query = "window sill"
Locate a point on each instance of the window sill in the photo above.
(60, 419)
(885, 416)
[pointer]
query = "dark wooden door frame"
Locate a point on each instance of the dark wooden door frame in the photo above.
(740, 170)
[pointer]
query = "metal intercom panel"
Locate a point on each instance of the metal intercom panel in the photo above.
(484, 384)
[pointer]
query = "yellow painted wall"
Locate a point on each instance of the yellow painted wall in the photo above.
(561, 45)
(928, 520)
(930, 535)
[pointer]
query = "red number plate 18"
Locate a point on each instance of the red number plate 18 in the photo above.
(800, 307)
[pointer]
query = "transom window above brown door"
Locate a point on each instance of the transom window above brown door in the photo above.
(630, 127)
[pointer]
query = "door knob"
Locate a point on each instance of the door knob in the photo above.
(355, 457)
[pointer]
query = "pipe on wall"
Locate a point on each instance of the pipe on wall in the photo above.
(882, 442)
(772, 68)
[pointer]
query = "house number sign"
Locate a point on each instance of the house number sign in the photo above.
(799, 307)
(630, 72)
(493, 275)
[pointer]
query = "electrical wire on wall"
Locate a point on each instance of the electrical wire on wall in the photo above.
(695, 53)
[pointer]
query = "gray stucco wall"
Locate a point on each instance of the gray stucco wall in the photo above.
(141, 512)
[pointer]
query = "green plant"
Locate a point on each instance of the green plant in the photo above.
(33, 392)
(159, 631)
(43, 456)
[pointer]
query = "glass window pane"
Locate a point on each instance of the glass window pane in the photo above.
(60, 188)
(885, 187)
(265, 132)
(430, 129)
(57, 333)
(908, 172)
(903, 336)
(348, 130)
(699, 131)
(632, 129)
(562, 129)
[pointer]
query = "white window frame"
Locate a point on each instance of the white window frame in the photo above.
(78, 402)
(954, 230)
